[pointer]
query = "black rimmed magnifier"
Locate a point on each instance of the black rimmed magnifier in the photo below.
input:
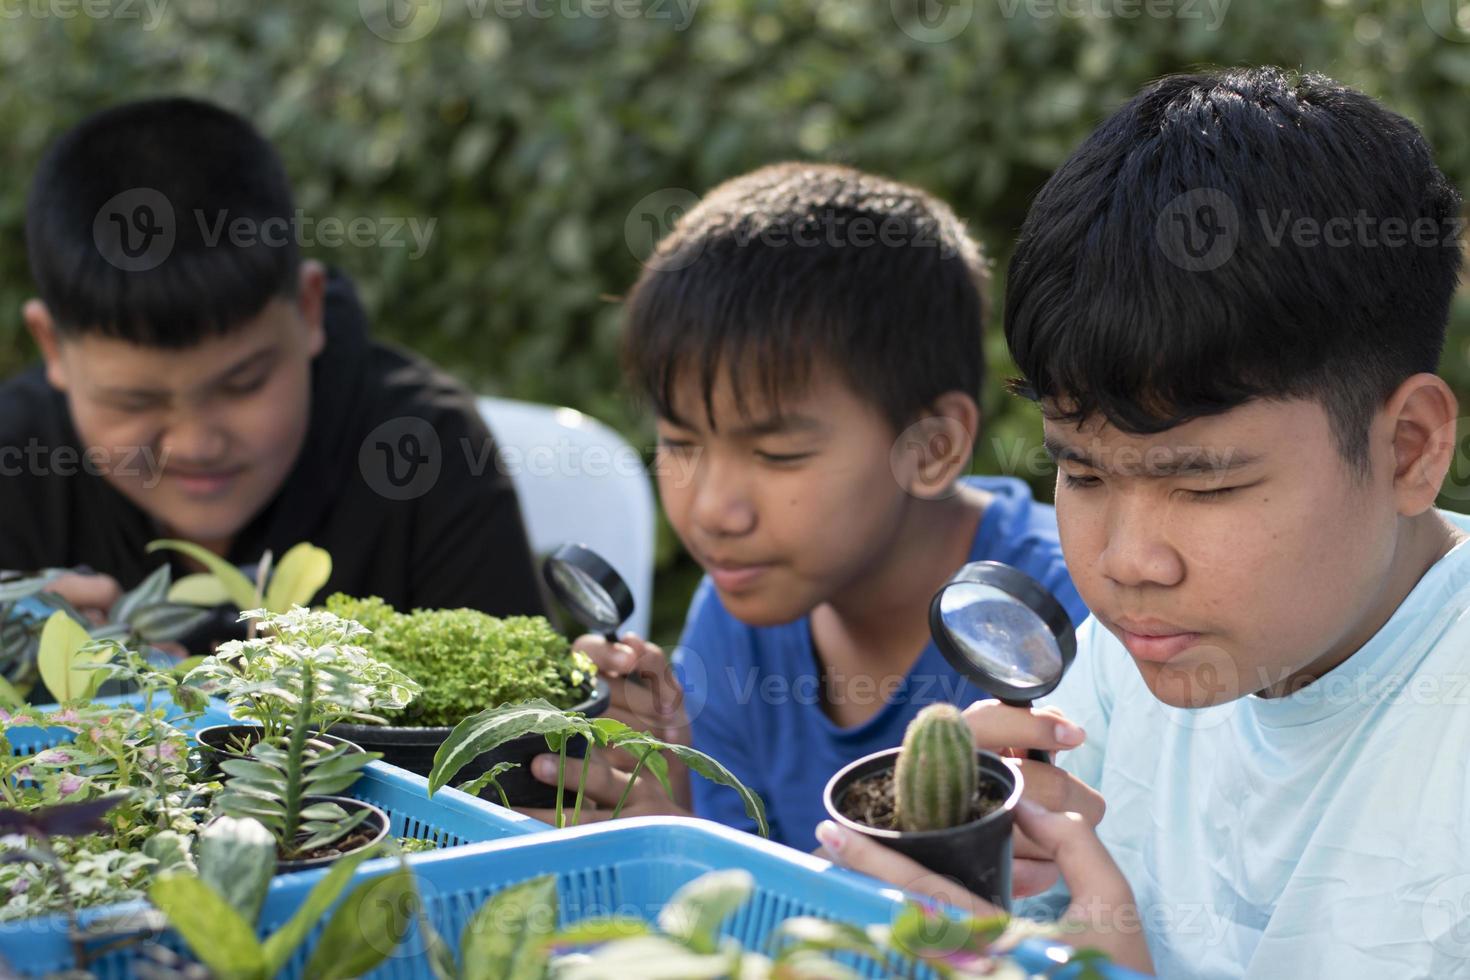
(1005, 632)
(590, 588)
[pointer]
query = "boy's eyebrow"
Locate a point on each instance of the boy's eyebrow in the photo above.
(756, 428)
(248, 361)
(1190, 461)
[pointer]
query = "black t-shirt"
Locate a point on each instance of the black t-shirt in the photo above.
(398, 480)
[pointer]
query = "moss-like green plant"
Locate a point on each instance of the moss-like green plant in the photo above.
(467, 661)
(937, 772)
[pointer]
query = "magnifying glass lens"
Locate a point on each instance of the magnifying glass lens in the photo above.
(586, 597)
(1001, 635)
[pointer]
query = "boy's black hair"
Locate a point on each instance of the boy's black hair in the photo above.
(795, 265)
(129, 224)
(1155, 282)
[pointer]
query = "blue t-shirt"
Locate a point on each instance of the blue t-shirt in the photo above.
(1322, 834)
(754, 693)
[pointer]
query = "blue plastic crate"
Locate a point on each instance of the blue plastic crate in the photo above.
(38, 946)
(633, 867)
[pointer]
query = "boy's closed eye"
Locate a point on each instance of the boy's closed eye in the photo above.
(1086, 482)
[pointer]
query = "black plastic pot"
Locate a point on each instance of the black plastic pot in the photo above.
(977, 854)
(214, 744)
(413, 749)
(377, 822)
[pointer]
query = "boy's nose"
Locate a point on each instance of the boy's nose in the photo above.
(193, 442)
(1135, 552)
(722, 508)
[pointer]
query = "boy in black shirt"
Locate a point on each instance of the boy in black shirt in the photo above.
(201, 381)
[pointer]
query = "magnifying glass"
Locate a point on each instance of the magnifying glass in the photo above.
(590, 588)
(1005, 632)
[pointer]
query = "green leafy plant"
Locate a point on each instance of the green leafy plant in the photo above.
(142, 617)
(299, 576)
(262, 678)
(465, 659)
(935, 778)
(217, 921)
(493, 727)
(514, 935)
(275, 784)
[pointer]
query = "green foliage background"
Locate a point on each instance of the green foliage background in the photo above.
(543, 145)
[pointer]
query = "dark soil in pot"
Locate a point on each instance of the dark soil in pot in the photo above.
(976, 853)
(366, 834)
(413, 749)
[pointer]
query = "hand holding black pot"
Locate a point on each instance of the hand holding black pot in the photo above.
(1103, 914)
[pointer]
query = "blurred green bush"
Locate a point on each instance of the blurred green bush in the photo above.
(548, 148)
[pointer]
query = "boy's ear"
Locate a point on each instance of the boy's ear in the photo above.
(42, 329)
(935, 451)
(311, 291)
(1423, 412)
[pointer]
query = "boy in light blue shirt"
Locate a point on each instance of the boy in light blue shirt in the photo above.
(1230, 304)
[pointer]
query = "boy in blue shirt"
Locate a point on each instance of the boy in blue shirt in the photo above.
(1251, 439)
(810, 337)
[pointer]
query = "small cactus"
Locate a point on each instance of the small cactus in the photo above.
(937, 773)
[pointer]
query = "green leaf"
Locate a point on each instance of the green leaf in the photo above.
(239, 589)
(506, 938)
(365, 928)
(490, 776)
(200, 589)
(171, 850)
(651, 958)
(62, 643)
(283, 942)
(211, 927)
(237, 858)
(806, 932)
(9, 696)
(695, 912)
(601, 930)
(480, 733)
(167, 621)
(715, 772)
(148, 592)
(934, 934)
(298, 577)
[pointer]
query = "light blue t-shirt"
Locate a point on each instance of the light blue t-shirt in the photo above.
(1324, 834)
(754, 693)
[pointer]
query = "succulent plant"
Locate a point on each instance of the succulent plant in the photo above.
(937, 773)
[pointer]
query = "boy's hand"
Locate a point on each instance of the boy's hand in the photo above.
(92, 595)
(605, 787)
(646, 696)
(1010, 732)
(1103, 914)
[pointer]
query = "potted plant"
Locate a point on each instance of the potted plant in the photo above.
(290, 788)
(466, 661)
(262, 680)
(556, 729)
(937, 799)
(215, 910)
(142, 617)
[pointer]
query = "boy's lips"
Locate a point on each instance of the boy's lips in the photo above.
(734, 577)
(205, 484)
(1154, 641)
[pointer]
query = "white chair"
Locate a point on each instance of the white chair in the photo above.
(579, 481)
